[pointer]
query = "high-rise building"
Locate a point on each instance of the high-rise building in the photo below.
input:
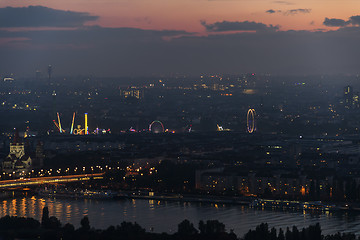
(355, 100)
(132, 93)
(348, 96)
(348, 90)
(351, 98)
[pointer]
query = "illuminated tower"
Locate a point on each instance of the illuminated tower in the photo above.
(53, 104)
(86, 125)
(60, 129)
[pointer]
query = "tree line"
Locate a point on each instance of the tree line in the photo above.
(12, 228)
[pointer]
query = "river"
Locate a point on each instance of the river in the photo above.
(162, 216)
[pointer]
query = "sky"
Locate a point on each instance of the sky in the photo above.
(155, 37)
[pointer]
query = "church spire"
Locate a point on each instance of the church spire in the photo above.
(16, 137)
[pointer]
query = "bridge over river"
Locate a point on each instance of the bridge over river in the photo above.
(24, 182)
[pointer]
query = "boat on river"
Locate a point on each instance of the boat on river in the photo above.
(295, 205)
(75, 193)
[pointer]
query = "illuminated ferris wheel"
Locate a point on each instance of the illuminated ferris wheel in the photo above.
(250, 120)
(156, 127)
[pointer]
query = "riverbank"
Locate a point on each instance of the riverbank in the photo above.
(163, 216)
(187, 198)
(251, 202)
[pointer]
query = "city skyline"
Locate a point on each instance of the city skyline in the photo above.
(120, 38)
(138, 119)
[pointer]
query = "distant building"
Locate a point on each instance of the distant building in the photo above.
(348, 96)
(282, 185)
(132, 93)
(355, 100)
(17, 161)
(39, 155)
(49, 70)
(348, 91)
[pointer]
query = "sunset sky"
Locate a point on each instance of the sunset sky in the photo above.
(186, 14)
(55, 31)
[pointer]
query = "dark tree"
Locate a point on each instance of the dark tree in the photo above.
(281, 235)
(85, 223)
(315, 232)
(45, 217)
(186, 228)
(211, 227)
(53, 223)
(202, 227)
(288, 234)
(263, 231)
(18, 223)
(295, 233)
(273, 234)
(69, 227)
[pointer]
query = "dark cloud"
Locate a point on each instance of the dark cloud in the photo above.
(270, 11)
(284, 2)
(237, 26)
(335, 22)
(39, 16)
(290, 12)
(297, 11)
(355, 20)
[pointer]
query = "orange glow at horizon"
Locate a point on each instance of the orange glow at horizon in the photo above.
(186, 14)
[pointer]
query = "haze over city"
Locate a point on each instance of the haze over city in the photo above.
(122, 38)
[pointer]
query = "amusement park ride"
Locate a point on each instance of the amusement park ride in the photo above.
(154, 127)
(76, 131)
(221, 129)
(250, 120)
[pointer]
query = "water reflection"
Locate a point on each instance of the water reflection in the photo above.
(13, 208)
(68, 211)
(151, 204)
(164, 216)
